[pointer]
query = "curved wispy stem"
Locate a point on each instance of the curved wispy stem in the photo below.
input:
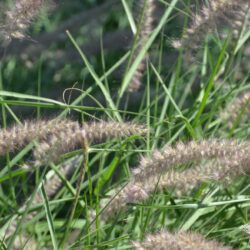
(237, 109)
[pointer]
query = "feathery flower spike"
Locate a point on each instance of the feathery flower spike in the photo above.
(50, 150)
(240, 107)
(193, 151)
(19, 18)
(144, 18)
(221, 170)
(219, 13)
(165, 240)
(20, 135)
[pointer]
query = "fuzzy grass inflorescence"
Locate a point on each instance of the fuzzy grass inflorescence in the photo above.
(165, 240)
(57, 136)
(17, 136)
(145, 18)
(219, 13)
(238, 109)
(57, 144)
(183, 153)
(19, 17)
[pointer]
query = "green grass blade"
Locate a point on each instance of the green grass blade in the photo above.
(129, 16)
(49, 218)
(210, 84)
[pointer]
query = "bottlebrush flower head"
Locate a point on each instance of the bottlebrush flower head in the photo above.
(217, 14)
(145, 18)
(178, 241)
(19, 17)
(68, 139)
(182, 153)
(19, 135)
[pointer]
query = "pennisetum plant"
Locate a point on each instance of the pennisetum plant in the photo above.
(207, 160)
(60, 136)
(224, 160)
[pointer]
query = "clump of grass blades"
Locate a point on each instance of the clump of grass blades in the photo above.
(51, 186)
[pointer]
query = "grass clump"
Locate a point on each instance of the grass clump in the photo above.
(155, 156)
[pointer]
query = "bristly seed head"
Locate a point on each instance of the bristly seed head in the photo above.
(217, 14)
(19, 18)
(95, 132)
(165, 240)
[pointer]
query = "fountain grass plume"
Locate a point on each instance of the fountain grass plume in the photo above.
(222, 171)
(19, 17)
(18, 136)
(144, 17)
(94, 132)
(219, 13)
(165, 240)
(182, 153)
